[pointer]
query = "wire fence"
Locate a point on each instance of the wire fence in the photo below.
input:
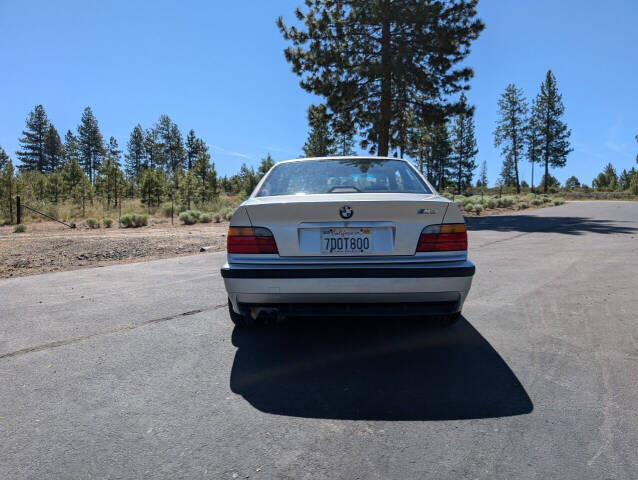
(19, 207)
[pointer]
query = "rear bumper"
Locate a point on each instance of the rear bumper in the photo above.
(424, 283)
(465, 269)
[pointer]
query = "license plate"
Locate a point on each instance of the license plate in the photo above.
(346, 240)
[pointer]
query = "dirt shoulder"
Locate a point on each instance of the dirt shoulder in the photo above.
(51, 247)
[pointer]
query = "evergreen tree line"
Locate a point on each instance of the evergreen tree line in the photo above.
(444, 151)
(610, 181)
(158, 165)
(389, 72)
(534, 133)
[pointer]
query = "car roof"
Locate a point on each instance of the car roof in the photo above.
(352, 157)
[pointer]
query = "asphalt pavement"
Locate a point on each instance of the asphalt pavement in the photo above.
(135, 371)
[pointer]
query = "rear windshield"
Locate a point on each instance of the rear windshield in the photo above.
(367, 175)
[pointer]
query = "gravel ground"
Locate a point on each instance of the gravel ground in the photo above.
(51, 247)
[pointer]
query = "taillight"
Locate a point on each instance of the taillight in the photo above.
(250, 240)
(444, 237)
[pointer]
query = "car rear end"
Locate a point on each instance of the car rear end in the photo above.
(355, 253)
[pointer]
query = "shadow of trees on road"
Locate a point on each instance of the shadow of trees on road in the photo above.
(374, 369)
(531, 223)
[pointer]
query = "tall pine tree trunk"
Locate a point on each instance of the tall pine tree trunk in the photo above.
(547, 130)
(90, 167)
(516, 146)
(532, 186)
(10, 200)
(546, 167)
(518, 183)
(386, 89)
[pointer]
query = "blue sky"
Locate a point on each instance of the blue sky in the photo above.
(218, 67)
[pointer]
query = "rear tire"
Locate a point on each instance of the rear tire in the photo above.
(238, 319)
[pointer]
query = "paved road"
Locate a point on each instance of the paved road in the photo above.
(134, 371)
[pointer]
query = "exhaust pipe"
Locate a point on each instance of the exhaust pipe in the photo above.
(266, 313)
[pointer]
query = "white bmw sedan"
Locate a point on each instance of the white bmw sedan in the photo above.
(346, 236)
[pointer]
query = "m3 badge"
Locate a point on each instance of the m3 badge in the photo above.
(426, 211)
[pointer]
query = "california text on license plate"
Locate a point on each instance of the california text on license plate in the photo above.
(346, 240)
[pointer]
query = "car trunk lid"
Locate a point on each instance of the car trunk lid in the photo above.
(391, 222)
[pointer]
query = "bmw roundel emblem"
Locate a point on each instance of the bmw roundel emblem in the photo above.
(346, 212)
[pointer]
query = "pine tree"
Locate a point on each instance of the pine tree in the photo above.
(265, 165)
(31, 152)
(624, 180)
(54, 185)
(153, 148)
(71, 149)
(508, 176)
(153, 185)
(607, 180)
(320, 142)
(53, 150)
(376, 58)
(90, 144)
(136, 153)
(4, 158)
(187, 188)
(111, 180)
(246, 179)
(225, 185)
(75, 183)
(171, 143)
(463, 146)
(206, 177)
(114, 150)
(441, 152)
(7, 185)
(548, 182)
(344, 129)
(482, 181)
(72, 176)
(533, 141)
(194, 146)
(420, 148)
(572, 182)
(510, 132)
(400, 127)
(32, 185)
(553, 133)
(176, 149)
(429, 145)
(633, 184)
(83, 192)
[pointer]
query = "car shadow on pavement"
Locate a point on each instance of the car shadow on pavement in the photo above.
(531, 223)
(374, 369)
